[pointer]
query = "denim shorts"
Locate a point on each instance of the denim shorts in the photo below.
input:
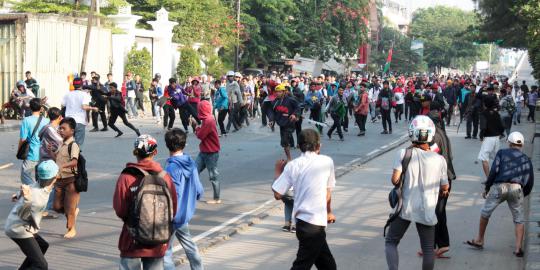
(509, 192)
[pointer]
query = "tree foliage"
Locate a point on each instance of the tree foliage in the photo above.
(189, 64)
(404, 60)
(502, 20)
(139, 62)
(444, 33)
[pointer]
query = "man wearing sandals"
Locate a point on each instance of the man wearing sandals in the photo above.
(510, 179)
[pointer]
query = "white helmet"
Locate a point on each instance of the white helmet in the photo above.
(237, 74)
(421, 129)
(230, 73)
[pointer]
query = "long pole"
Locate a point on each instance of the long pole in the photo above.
(489, 59)
(88, 31)
(237, 47)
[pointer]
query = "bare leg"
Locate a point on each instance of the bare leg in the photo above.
(520, 231)
(485, 166)
(288, 153)
(482, 230)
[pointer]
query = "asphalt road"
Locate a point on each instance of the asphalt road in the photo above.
(246, 171)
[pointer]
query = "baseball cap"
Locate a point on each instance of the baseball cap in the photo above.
(516, 138)
(145, 144)
(77, 82)
(47, 170)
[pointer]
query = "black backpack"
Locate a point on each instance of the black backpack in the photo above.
(81, 176)
(151, 212)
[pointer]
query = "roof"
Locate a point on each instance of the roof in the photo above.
(13, 17)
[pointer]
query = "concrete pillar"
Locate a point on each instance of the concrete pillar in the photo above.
(122, 43)
(164, 51)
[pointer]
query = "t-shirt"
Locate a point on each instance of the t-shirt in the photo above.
(399, 95)
(73, 101)
(425, 174)
(27, 127)
(310, 175)
(50, 138)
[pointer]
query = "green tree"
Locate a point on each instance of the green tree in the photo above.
(139, 62)
(404, 60)
(443, 31)
(189, 64)
(503, 21)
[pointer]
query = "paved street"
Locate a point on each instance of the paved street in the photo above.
(246, 167)
(360, 204)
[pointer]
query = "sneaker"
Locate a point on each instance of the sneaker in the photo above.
(94, 130)
(286, 228)
(474, 137)
(293, 229)
(218, 201)
(329, 136)
(119, 134)
(384, 132)
(468, 137)
(346, 129)
(104, 129)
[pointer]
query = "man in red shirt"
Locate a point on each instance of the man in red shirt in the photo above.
(134, 255)
(209, 146)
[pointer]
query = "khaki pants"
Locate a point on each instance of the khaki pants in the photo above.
(66, 199)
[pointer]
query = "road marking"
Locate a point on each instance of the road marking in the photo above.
(223, 225)
(373, 152)
(5, 166)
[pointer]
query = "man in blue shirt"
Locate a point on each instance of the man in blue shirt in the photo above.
(27, 127)
(510, 179)
(183, 171)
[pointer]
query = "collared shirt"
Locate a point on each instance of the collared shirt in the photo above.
(63, 156)
(74, 101)
(511, 166)
(310, 175)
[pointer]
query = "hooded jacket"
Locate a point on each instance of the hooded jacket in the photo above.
(184, 174)
(126, 188)
(207, 132)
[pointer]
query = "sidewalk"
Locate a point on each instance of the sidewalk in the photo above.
(360, 204)
(10, 125)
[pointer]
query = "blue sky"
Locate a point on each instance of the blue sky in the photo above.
(415, 4)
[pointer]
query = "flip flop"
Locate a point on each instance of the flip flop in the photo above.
(440, 255)
(473, 244)
(520, 253)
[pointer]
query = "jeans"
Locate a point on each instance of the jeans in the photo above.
(234, 114)
(372, 110)
(210, 161)
(156, 110)
(507, 122)
(28, 167)
(397, 229)
(131, 107)
(532, 108)
(288, 209)
(79, 134)
(136, 263)
(312, 248)
(386, 120)
(337, 124)
(34, 248)
(517, 113)
(192, 253)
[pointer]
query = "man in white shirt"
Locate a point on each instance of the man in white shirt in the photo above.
(76, 103)
(312, 177)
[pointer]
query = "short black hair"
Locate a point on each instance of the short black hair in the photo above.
(217, 81)
(175, 139)
(70, 121)
(28, 72)
(309, 140)
(113, 84)
(35, 104)
(54, 113)
(83, 73)
(109, 74)
(172, 80)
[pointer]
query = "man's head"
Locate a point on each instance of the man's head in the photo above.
(175, 139)
(524, 82)
(172, 82)
(340, 91)
(309, 141)
(55, 115)
(217, 83)
(145, 147)
(109, 77)
(77, 83)
(421, 130)
(21, 86)
(516, 140)
(154, 82)
(386, 84)
(67, 128)
(35, 105)
(28, 75)
(83, 75)
(47, 172)
(113, 87)
(280, 90)
(95, 78)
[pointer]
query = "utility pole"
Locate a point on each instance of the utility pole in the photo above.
(489, 59)
(237, 47)
(88, 31)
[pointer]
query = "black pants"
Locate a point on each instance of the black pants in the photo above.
(312, 248)
(221, 117)
(298, 128)
(243, 115)
(472, 124)
(386, 120)
(398, 111)
(337, 124)
(449, 114)
(442, 239)
(315, 115)
(234, 113)
(186, 110)
(153, 104)
(112, 120)
(168, 116)
(345, 122)
(267, 112)
(102, 114)
(531, 112)
(408, 111)
(361, 121)
(139, 101)
(34, 249)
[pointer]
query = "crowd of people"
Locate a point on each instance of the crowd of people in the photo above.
(52, 146)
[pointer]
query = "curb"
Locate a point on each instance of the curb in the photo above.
(255, 218)
(9, 127)
(532, 226)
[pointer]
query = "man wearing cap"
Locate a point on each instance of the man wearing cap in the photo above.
(22, 224)
(98, 92)
(133, 255)
(76, 104)
(286, 113)
(491, 129)
(235, 101)
(510, 179)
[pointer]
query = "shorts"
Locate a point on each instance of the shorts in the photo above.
(509, 192)
(489, 148)
(286, 134)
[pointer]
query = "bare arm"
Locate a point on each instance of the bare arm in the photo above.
(396, 175)
(89, 108)
(71, 164)
(330, 216)
(278, 169)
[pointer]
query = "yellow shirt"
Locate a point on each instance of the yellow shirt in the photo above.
(63, 157)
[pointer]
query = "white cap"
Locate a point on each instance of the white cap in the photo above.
(237, 74)
(516, 138)
(230, 73)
